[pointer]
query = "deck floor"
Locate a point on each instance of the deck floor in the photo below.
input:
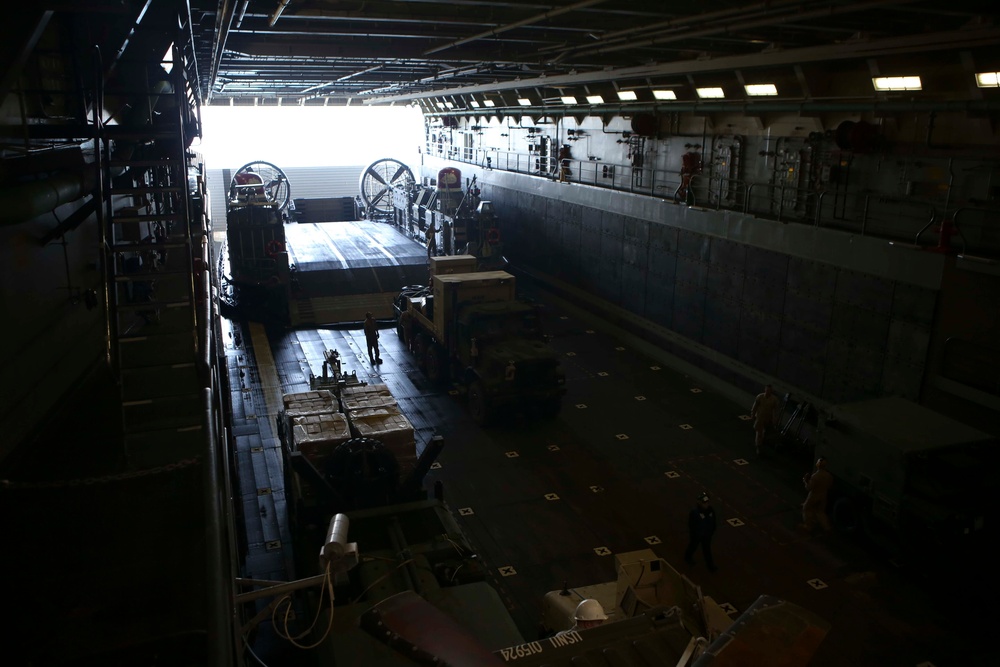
(546, 501)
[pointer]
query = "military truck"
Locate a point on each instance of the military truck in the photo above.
(905, 472)
(469, 328)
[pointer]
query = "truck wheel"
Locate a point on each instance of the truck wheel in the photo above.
(479, 406)
(437, 371)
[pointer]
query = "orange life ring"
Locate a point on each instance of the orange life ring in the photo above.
(493, 236)
(274, 247)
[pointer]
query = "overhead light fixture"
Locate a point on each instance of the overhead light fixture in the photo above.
(988, 79)
(439, 105)
(450, 105)
(474, 104)
(524, 101)
(595, 99)
(664, 94)
(627, 95)
(760, 89)
(489, 103)
(568, 99)
(712, 93)
(897, 83)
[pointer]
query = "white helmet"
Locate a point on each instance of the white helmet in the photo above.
(590, 610)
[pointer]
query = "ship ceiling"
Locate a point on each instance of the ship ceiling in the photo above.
(485, 57)
(451, 57)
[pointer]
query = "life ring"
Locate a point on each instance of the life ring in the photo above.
(493, 236)
(274, 247)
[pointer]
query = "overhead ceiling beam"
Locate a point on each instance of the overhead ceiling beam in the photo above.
(742, 13)
(967, 38)
(738, 25)
(493, 32)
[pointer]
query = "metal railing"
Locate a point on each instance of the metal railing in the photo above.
(866, 213)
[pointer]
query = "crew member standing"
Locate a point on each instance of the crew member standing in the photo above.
(818, 485)
(371, 337)
(431, 235)
(765, 411)
(701, 528)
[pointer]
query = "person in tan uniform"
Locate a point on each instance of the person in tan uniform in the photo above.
(765, 411)
(818, 484)
(431, 235)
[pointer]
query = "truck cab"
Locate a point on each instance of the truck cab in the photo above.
(905, 470)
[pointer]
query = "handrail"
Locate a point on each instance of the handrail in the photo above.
(916, 239)
(746, 204)
(809, 207)
(819, 206)
(954, 221)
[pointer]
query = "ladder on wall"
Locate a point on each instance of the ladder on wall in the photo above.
(154, 255)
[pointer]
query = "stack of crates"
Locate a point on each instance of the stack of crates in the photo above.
(372, 412)
(316, 424)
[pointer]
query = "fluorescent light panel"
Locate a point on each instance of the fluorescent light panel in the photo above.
(568, 99)
(710, 92)
(489, 103)
(524, 101)
(988, 79)
(627, 95)
(474, 103)
(664, 94)
(595, 99)
(896, 83)
(761, 89)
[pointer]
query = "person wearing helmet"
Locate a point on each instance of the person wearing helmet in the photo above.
(701, 528)
(589, 614)
(818, 485)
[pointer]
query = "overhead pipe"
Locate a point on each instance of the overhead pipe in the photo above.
(26, 201)
(240, 13)
(224, 21)
(277, 13)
